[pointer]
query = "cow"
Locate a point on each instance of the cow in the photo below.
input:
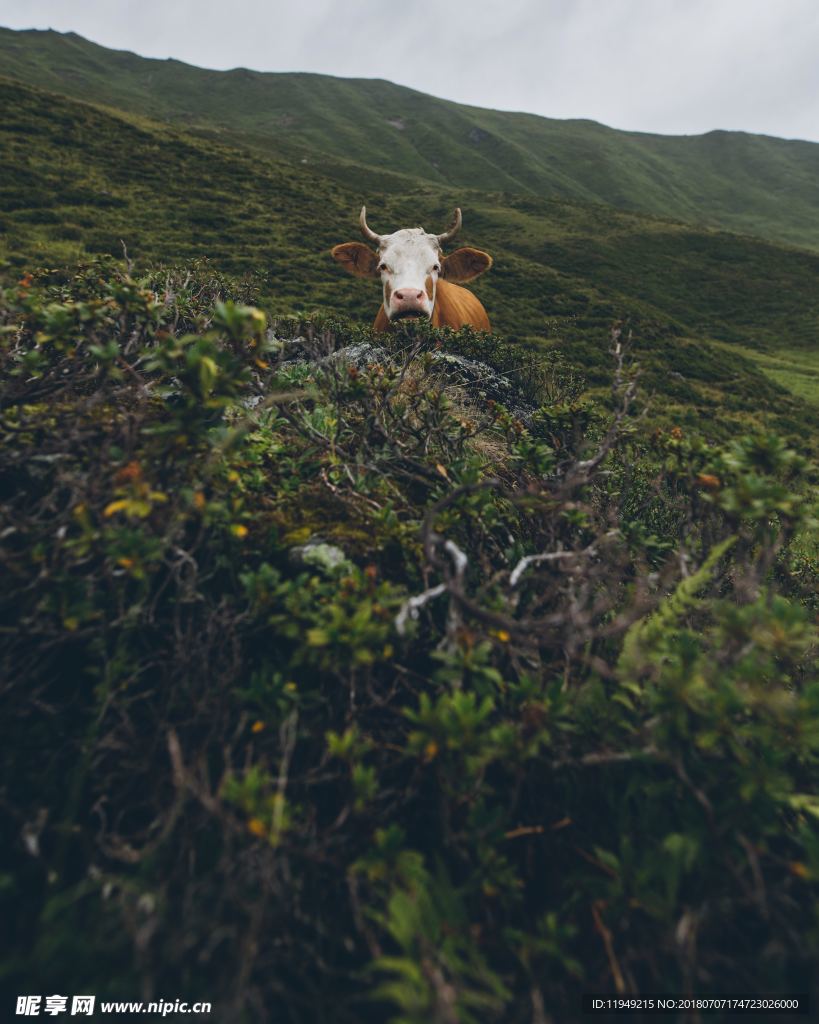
(418, 279)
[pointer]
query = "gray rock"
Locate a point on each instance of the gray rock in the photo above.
(479, 380)
(360, 355)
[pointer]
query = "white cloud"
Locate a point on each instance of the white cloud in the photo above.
(665, 66)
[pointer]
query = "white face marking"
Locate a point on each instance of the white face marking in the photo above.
(407, 259)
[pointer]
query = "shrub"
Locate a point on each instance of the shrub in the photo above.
(330, 693)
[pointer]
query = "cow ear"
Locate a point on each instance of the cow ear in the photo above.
(356, 258)
(465, 264)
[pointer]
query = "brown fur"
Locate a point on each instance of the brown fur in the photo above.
(465, 264)
(356, 258)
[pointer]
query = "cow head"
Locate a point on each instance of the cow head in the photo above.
(410, 263)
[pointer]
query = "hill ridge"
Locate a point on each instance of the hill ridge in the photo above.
(360, 79)
(751, 184)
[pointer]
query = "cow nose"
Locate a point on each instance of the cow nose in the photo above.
(407, 295)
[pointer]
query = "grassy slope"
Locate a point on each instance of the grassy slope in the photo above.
(76, 180)
(747, 183)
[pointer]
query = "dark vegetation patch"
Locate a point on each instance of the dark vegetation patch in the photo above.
(330, 692)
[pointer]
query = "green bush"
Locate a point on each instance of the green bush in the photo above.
(331, 692)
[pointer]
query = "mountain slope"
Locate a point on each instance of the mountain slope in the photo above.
(77, 180)
(746, 183)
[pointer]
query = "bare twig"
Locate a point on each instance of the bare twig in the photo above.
(410, 608)
(549, 556)
(125, 256)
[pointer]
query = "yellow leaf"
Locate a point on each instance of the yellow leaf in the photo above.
(442, 470)
(239, 530)
(299, 535)
(317, 638)
(257, 726)
(257, 827)
(115, 506)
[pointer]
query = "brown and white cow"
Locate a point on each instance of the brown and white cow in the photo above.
(418, 279)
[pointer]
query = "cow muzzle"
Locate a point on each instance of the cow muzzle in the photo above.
(407, 303)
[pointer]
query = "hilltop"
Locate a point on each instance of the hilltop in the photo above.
(752, 184)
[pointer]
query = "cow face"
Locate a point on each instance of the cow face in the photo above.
(410, 263)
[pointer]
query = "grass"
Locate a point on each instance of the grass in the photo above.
(796, 371)
(745, 183)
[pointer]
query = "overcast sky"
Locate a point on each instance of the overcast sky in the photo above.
(671, 66)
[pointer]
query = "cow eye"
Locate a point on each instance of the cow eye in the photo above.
(382, 266)
(437, 268)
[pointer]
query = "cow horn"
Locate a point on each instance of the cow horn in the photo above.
(368, 232)
(453, 228)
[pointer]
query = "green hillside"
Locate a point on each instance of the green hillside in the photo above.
(77, 181)
(745, 183)
(424, 677)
